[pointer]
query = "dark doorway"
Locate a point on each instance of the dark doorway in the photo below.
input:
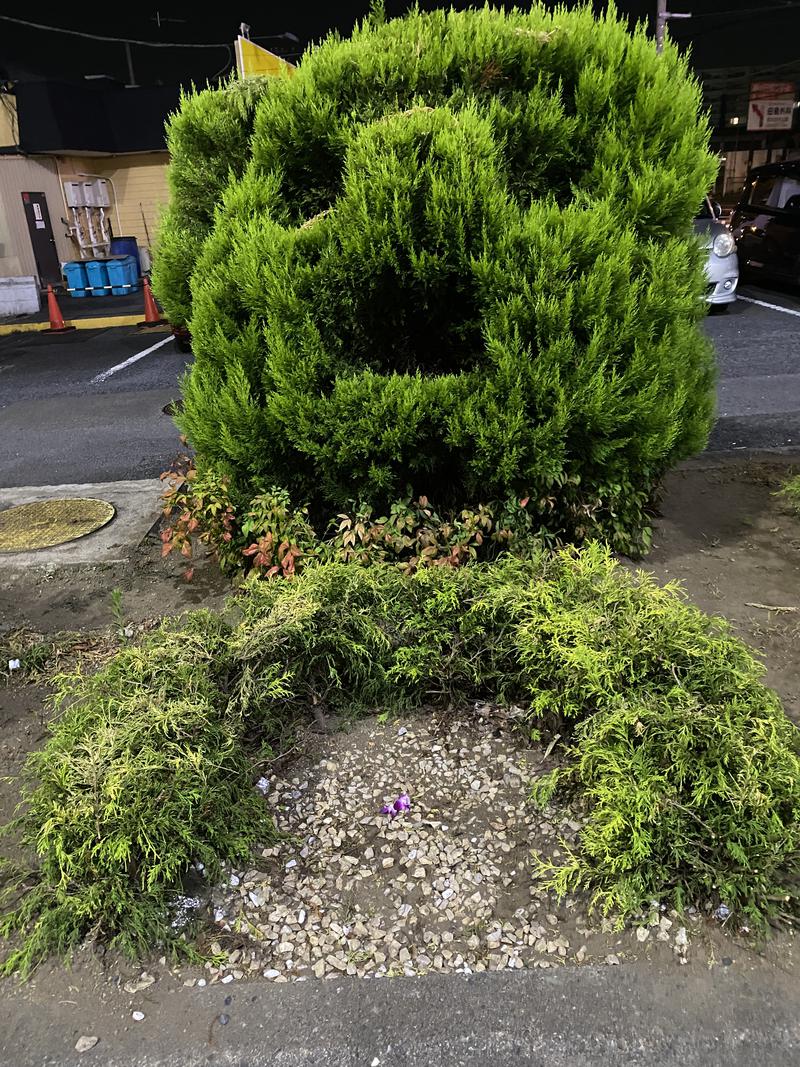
(42, 240)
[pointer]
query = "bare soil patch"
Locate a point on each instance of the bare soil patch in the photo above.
(50, 598)
(733, 544)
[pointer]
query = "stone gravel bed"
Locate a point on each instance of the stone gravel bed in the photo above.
(448, 886)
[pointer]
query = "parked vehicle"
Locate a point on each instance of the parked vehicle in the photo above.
(766, 223)
(722, 266)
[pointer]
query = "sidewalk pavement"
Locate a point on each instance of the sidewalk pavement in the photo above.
(138, 507)
(573, 1017)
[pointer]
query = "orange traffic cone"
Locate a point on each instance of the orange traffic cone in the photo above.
(57, 324)
(152, 316)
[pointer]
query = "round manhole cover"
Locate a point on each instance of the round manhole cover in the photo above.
(45, 523)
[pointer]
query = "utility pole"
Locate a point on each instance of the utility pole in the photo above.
(662, 17)
(131, 76)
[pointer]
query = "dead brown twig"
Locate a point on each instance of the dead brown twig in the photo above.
(771, 607)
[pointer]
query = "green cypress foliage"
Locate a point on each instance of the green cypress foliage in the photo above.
(144, 774)
(208, 139)
(460, 259)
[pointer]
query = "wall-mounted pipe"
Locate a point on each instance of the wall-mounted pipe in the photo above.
(110, 181)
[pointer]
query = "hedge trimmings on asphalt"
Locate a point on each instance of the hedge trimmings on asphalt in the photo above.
(460, 261)
(683, 760)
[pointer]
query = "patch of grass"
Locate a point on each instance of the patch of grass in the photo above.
(32, 652)
(41, 655)
(684, 760)
(791, 491)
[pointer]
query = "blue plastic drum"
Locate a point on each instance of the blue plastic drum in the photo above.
(127, 246)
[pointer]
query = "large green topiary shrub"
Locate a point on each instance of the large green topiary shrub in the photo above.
(208, 139)
(460, 260)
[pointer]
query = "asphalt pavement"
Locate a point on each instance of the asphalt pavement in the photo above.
(59, 424)
(571, 1017)
(65, 418)
(758, 355)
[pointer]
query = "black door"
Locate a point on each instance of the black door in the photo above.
(42, 240)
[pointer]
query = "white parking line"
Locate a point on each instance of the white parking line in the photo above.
(134, 359)
(772, 307)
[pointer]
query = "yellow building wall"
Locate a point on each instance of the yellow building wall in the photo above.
(32, 174)
(139, 192)
(9, 130)
(140, 189)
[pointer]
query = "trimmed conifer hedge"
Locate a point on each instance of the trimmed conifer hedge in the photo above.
(460, 261)
(208, 140)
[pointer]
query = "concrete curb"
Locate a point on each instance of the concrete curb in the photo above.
(103, 322)
(138, 508)
(100, 323)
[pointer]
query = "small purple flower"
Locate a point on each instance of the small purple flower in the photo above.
(403, 803)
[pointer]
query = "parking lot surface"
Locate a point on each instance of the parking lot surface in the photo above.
(757, 342)
(60, 423)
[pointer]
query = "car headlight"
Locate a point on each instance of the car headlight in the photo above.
(723, 244)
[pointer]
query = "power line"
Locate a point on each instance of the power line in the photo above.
(122, 40)
(745, 11)
(100, 37)
(739, 18)
(223, 69)
(746, 71)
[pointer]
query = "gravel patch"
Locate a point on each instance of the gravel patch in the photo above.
(447, 885)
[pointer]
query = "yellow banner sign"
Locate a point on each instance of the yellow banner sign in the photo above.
(252, 59)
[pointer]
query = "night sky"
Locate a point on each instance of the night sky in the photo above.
(722, 33)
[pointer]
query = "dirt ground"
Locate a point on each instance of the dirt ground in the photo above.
(48, 599)
(735, 547)
(722, 532)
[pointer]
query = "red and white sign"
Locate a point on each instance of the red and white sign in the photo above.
(772, 106)
(772, 90)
